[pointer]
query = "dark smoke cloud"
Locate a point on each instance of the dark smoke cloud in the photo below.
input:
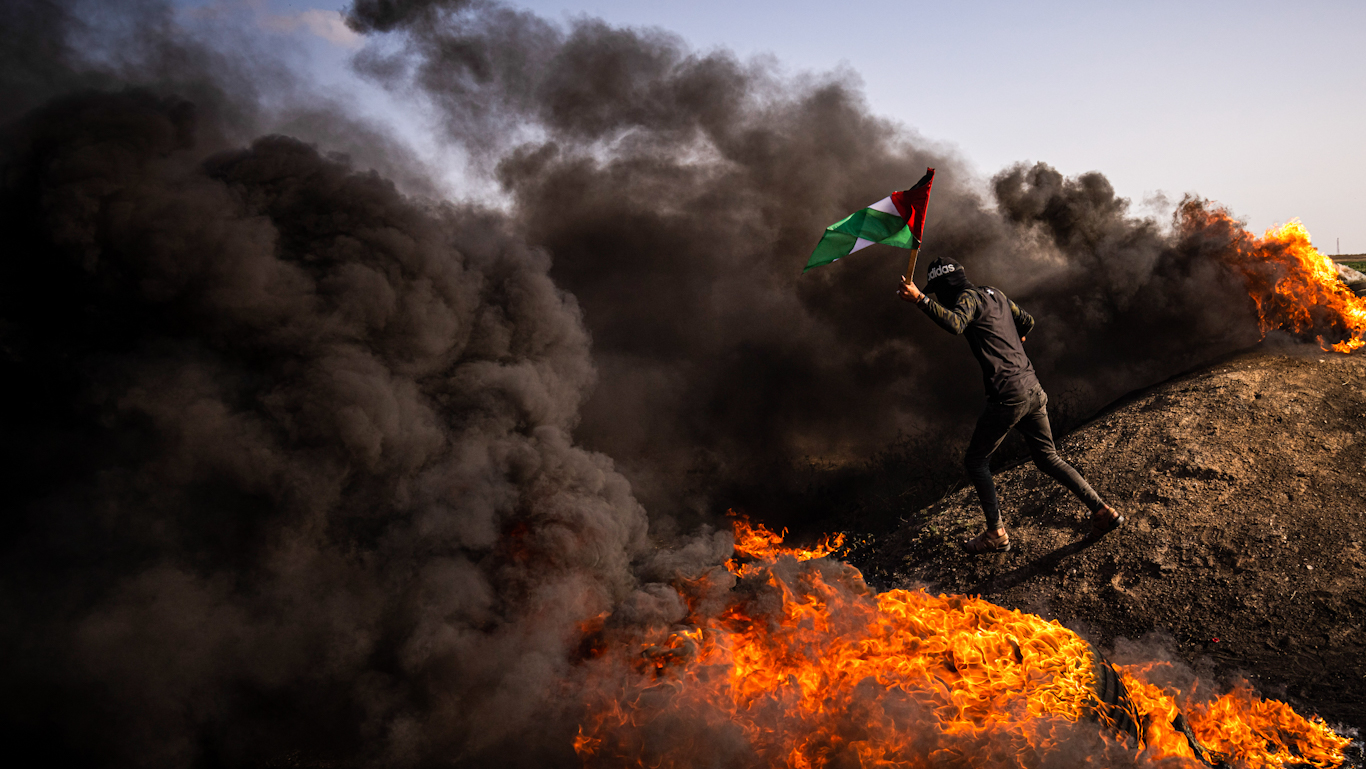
(1125, 303)
(290, 460)
(679, 194)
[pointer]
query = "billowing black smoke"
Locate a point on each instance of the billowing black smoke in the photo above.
(290, 452)
(289, 458)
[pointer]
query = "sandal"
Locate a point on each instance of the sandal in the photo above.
(1104, 520)
(986, 542)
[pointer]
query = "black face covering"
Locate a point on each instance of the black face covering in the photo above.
(947, 281)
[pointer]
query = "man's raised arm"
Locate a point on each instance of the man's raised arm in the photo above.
(954, 321)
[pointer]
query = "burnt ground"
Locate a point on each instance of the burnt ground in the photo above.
(1244, 553)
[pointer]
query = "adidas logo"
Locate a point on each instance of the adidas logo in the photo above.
(943, 269)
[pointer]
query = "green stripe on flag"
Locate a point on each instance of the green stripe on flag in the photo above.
(868, 224)
(833, 245)
(875, 226)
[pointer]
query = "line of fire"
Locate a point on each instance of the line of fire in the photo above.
(786, 658)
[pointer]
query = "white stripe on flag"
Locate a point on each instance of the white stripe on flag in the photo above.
(860, 243)
(886, 206)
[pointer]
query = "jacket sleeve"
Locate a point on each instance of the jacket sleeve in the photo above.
(1024, 322)
(954, 321)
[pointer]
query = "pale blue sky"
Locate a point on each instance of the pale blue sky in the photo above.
(1255, 105)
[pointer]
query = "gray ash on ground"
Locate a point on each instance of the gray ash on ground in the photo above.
(1244, 553)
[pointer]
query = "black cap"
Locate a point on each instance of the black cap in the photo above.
(946, 278)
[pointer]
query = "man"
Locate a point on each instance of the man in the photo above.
(996, 329)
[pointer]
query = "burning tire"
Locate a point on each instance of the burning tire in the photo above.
(1115, 708)
(1113, 705)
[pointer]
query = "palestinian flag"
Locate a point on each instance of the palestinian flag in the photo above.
(896, 220)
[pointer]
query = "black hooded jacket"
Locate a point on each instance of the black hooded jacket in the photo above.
(993, 326)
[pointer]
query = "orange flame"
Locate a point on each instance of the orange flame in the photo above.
(791, 661)
(1295, 286)
(757, 542)
(1268, 733)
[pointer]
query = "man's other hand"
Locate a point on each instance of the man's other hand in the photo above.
(908, 291)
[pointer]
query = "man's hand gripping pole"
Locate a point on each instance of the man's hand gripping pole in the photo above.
(908, 290)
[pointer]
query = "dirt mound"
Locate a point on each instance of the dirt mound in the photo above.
(1244, 486)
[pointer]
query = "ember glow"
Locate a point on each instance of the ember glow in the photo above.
(787, 659)
(1295, 286)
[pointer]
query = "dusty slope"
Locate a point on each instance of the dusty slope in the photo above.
(1244, 487)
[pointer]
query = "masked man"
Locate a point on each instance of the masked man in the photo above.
(996, 329)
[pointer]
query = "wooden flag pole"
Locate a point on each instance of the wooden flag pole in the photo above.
(910, 269)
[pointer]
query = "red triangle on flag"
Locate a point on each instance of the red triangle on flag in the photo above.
(913, 203)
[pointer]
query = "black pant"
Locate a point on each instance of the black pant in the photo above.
(1029, 415)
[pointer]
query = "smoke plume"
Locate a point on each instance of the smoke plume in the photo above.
(289, 459)
(296, 463)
